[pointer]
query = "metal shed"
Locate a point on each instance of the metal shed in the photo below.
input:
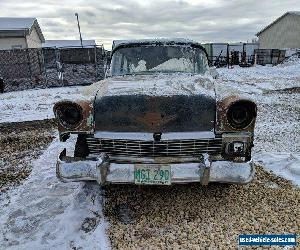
(283, 33)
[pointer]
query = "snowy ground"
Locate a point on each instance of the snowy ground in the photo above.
(44, 213)
(29, 105)
(276, 90)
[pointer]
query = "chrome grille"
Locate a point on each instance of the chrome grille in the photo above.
(140, 148)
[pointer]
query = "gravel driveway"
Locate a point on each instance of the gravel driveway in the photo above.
(195, 217)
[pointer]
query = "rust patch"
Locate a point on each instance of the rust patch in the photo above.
(88, 116)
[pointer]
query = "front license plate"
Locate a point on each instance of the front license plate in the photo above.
(152, 174)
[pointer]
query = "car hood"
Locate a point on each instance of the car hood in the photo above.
(159, 103)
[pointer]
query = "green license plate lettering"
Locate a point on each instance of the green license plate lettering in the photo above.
(152, 174)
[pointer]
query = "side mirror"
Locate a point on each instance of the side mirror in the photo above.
(214, 73)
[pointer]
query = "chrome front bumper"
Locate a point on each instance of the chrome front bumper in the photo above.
(105, 172)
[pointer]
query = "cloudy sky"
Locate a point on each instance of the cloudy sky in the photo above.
(104, 20)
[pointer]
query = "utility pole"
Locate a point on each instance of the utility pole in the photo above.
(76, 14)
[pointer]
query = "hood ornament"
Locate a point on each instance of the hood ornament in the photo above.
(157, 136)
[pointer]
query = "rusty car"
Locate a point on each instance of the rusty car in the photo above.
(157, 119)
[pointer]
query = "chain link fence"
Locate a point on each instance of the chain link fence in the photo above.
(51, 67)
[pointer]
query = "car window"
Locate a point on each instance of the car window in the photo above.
(151, 58)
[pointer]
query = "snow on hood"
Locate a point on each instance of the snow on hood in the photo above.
(154, 85)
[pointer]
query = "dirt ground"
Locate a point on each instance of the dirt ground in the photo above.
(20, 143)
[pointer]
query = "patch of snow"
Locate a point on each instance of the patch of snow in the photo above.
(117, 43)
(140, 67)
(32, 105)
(286, 165)
(45, 213)
(293, 58)
(16, 23)
(175, 64)
(262, 77)
(123, 173)
(272, 185)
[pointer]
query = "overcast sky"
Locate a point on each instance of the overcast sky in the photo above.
(104, 21)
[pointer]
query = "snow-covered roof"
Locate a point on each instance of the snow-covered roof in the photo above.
(18, 26)
(118, 43)
(15, 23)
(294, 12)
(68, 43)
(278, 19)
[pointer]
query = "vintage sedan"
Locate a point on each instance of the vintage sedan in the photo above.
(157, 118)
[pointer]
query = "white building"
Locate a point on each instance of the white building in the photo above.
(20, 33)
(283, 33)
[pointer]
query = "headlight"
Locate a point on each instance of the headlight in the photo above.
(69, 114)
(241, 114)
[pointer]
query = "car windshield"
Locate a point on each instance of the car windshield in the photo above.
(147, 59)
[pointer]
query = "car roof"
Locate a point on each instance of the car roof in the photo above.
(155, 41)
